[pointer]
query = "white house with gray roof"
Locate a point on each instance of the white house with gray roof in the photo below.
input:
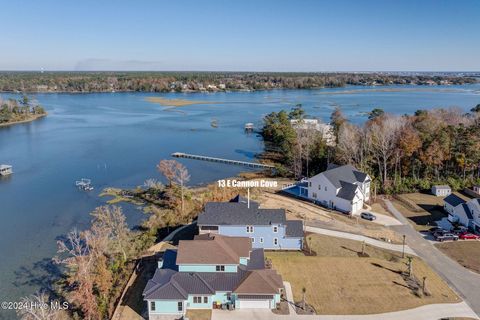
(342, 188)
(267, 228)
(466, 213)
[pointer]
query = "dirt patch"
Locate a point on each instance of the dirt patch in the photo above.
(199, 314)
(466, 253)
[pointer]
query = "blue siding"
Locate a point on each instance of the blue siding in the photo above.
(205, 268)
(165, 307)
(202, 305)
(268, 235)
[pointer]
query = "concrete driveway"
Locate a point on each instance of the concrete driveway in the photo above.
(465, 282)
(428, 312)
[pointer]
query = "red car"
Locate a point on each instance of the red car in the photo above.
(469, 236)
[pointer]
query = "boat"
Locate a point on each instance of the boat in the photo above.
(5, 169)
(84, 184)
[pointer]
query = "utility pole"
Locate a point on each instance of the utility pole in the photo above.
(403, 247)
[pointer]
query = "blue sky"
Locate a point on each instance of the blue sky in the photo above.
(262, 35)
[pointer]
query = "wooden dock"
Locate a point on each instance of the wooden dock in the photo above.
(221, 160)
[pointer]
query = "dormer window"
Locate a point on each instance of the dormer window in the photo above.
(275, 229)
(249, 229)
(220, 268)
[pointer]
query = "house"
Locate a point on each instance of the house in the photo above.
(212, 271)
(451, 201)
(465, 213)
(267, 228)
(342, 188)
(325, 129)
(441, 191)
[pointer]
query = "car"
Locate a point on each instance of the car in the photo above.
(368, 216)
(468, 236)
(434, 230)
(445, 237)
(459, 230)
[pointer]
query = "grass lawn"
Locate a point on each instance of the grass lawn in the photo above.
(429, 209)
(377, 207)
(466, 253)
(338, 281)
(199, 314)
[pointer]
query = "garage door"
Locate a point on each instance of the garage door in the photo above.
(253, 304)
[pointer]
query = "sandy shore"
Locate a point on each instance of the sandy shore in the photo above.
(34, 117)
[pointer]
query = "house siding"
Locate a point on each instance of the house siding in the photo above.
(205, 268)
(202, 305)
(166, 307)
(265, 232)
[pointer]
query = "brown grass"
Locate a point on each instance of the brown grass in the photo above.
(378, 207)
(199, 314)
(466, 253)
(337, 281)
(429, 209)
(175, 102)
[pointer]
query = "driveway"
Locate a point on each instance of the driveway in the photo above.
(465, 282)
(357, 237)
(428, 312)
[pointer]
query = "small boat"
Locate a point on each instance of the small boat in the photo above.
(5, 169)
(214, 123)
(84, 184)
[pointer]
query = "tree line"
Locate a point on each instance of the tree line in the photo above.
(404, 153)
(203, 81)
(12, 110)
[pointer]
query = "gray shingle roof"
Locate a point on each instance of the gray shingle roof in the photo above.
(453, 200)
(347, 190)
(257, 260)
(161, 286)
(294, 229)
(237, 213)
(347, 173)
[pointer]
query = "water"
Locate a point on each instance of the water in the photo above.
(116, 139)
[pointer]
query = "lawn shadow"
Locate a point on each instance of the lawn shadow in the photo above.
(359, 253)
(386, 268)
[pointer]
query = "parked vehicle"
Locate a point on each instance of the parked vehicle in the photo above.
(368, 216)
(446, 236)
(468, 236)
(459, 230)
(433, 230)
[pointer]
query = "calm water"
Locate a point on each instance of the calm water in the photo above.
(116, 139)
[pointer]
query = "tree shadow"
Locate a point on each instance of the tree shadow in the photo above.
(399, 272)
(359, 253)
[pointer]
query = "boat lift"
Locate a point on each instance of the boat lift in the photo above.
(84, 184)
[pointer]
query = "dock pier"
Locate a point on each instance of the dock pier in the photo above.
(221, 160)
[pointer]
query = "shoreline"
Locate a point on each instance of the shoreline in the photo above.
(35, 117)
(239, 90)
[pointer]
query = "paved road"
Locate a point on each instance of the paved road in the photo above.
(428, 312)
(357, 237)
(465, 282)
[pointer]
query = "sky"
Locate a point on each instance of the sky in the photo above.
(242, 35)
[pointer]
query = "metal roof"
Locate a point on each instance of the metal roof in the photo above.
(453, 200)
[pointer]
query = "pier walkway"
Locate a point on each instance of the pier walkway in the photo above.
(221, 160)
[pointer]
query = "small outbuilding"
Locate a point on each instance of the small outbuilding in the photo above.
(441, 191)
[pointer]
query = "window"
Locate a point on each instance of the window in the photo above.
(275, 229)
(197, 299)
(275, 241)
(325, 188)
(314, 195)
(309, 184)
(319, 187)
(249, 229)
(220, 268)
(180, 306)
(205, 299)
(152, 305)
(253, 240)
(261, 240)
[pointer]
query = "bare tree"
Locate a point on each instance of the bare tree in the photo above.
(74, 254)
(383, 133)
(351, 145)
(167, 168)
(181, 177)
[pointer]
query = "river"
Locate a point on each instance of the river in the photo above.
(116, 139)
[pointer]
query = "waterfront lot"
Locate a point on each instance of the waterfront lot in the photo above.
(466, 253)
(339, 281)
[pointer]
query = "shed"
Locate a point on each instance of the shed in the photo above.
(441, 190)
